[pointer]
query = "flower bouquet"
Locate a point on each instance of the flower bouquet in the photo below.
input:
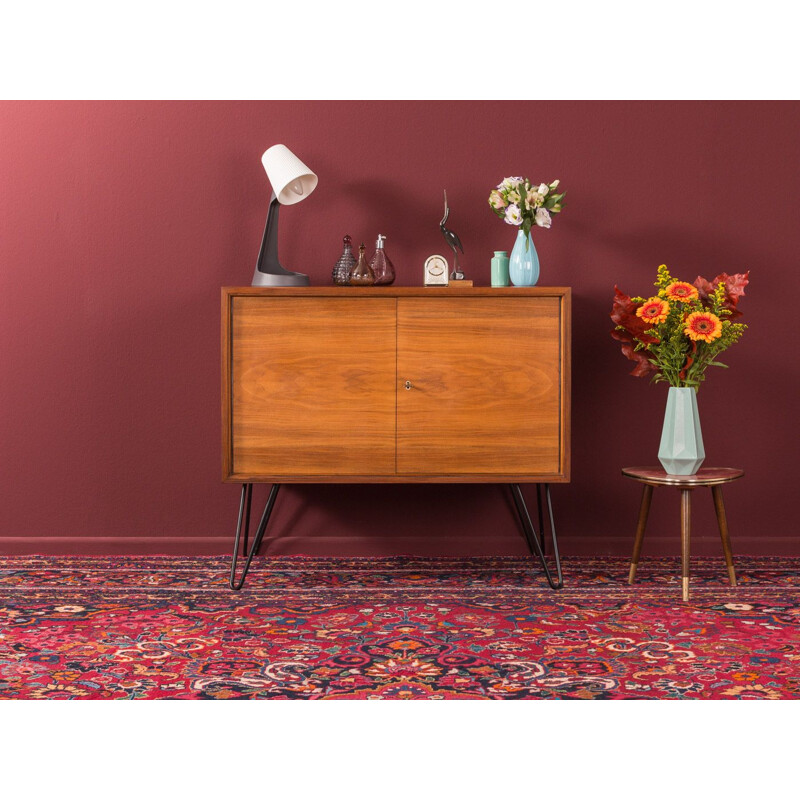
(676, 334)
(521, 202)
(524, 204)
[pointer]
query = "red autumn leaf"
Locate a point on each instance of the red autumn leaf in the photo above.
(734, 285)
(704, 289)
(643, 366)
(623, 312)
(734, 289)
(689, 360)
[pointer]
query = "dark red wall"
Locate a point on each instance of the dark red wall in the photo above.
(120, 221)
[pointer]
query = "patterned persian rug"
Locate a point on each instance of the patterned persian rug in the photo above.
(433, 628)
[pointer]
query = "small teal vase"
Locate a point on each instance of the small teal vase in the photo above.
(681, 451)
(500, 268)
(523, 266)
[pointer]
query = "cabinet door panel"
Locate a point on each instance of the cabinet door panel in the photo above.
(485, 394)
(313, 386)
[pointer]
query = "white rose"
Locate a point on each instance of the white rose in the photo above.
(513, 215)
(543, 189)
(542, 218)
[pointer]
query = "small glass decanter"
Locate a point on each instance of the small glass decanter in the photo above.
(344, 266)
(381, 265)
(362, 274)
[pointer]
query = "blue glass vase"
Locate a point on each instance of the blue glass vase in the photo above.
(523, 266)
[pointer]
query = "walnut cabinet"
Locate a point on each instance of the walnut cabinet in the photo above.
(400, 385)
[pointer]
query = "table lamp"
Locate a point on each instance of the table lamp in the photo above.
(292, 181)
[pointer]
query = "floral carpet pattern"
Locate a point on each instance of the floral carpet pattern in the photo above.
(416, 628)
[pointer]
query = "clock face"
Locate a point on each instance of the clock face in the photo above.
(436, 271)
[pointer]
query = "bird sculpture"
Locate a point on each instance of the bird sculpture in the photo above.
(453, 242)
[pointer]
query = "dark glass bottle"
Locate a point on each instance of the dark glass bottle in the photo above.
(344, 266)
(362, 274)
(381, 265)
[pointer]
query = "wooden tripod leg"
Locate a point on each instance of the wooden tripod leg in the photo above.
(644, 510)
(686, 515)
(722, 521)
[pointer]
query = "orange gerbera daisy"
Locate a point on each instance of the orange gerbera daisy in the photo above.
(654, 310)
(680, 290)
(703, 326)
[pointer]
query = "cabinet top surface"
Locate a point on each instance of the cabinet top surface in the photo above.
(397, 291)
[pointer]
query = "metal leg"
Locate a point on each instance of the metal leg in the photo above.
(246, 529)
(540, 516)
(686, 519)
(644, 510)
(531, 536)
(527, 528)
(244, 512)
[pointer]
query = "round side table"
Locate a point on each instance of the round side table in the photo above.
(711, 477)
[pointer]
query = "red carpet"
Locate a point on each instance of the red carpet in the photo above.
(314, 628)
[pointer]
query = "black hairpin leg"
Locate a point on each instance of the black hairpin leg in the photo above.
(244, 515)
(534, 544)
(246, 529)
(539, 514)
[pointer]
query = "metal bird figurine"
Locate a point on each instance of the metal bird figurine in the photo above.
(453, 242)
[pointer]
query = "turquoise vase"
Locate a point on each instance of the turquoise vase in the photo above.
(500, 268)
(681, 451)
(523, 266)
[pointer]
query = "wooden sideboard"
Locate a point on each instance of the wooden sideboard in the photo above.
(360, 385)
(395, 385)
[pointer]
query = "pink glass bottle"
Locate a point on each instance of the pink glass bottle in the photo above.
(381, 265)
(362, 274)
(344, 266)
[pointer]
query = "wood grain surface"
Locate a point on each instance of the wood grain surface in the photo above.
(313, 386)
(486, 385)
(705, 476)
(452, 290)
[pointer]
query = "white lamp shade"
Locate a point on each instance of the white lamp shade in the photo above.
(291, 179)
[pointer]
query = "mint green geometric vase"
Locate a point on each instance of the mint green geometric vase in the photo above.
(681, 451)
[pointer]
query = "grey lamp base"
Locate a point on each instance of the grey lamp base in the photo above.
(279, 279)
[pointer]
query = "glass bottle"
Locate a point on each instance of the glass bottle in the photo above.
(362, 274)
(381, 265)
(344, 266)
